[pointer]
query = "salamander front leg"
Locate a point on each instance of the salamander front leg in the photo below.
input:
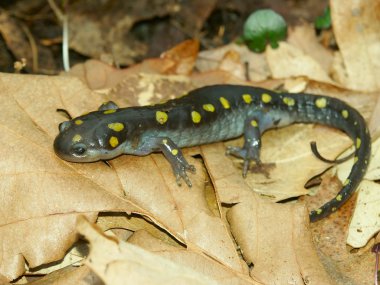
(110, 105)
(252, 145)
(172, 153)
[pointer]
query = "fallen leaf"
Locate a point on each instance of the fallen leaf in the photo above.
(374, 122)
(261, 228)
(184, 56)
(365, 222)
(291, 147)
(117, 262)
(98, 75)
(304, 38)
(69, 275)
(192, 259)
(148, 89)
(366, 219)
(41, 194)
(355, 224)
(53, 192)
(358, 41)
(213, 59)
(289, 61)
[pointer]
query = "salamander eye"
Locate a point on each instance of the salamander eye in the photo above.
(79, 149)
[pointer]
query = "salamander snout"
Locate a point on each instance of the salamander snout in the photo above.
(71, 149)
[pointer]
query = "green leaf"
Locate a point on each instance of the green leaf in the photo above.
(324, 21)
(263, 27)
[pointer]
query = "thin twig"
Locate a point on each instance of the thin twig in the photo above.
(376, 251)
(65, 44)
(56, 10)
(33, 46)
(65, 33)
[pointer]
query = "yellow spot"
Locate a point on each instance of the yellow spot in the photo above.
(356, 159)
(174, 151)
(209, 107)
(333, 209)
(319, 211)
(114, 141)
(339, 197)
(289, 101)
(247, 98)
(365, 161)
(358, 142)
(225, 103)
(355, 123)
(78, 122)
(254, 123)
(321, 102)
(117, 127)
(345, 114)
(266, 98)
(110, 111)
(346, 182)
(164, 141)
(196, 117)
(161, 117)
(77, 138)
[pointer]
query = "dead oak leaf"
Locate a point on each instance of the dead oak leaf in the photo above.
(118, 262)
(40, 189)
(356, 31)
(262, 228)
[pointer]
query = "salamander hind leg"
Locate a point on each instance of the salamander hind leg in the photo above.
(252, 145)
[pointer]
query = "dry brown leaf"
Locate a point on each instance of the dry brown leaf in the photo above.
(289, 61)
(304, 38)
(355, 223)
(184, 210)
(192, 259)
(344, 264)
(117, 262)
(184, 56)
(293, 163)
(215, 59)
(357, 33)
(261, 228)
(365, 222)
(53, 191)
(99, 75)
(374, 123)
(366, 219)
(148, 89)
(215, 77)
(69, 275)
(41, 194)
(232, 63)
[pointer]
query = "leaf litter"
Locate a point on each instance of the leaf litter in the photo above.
(45, 197)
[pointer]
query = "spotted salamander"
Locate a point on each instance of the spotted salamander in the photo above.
(206, 115)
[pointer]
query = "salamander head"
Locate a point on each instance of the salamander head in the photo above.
(90, 138)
